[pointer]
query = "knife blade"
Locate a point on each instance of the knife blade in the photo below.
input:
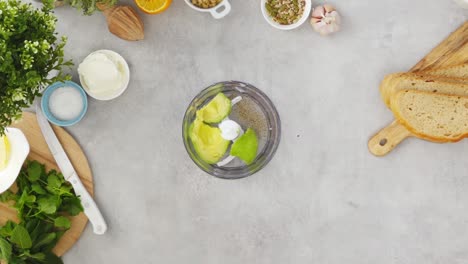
(90, 208)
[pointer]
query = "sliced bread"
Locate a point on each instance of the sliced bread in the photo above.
(432, 116)
(456, 71)
(393, 83)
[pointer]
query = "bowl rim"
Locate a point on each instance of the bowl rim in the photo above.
(19, 158)
(45, 103)
(124, 86)
(189, 3)
(305, 16)
(270, 154)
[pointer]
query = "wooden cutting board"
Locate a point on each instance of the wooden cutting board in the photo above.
(40, 152)
(452, 51)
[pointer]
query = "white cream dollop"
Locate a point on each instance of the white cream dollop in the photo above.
(230, 130)
(101, 73)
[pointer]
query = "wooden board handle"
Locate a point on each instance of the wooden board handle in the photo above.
(388, 138)
(451, 51)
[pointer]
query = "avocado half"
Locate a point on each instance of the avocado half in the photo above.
(207, 141)
(216, 110)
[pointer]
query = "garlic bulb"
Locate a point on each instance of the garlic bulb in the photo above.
(325, 19)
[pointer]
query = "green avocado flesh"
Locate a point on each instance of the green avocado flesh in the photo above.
(216, 110)
(207, 140)
(245, 148)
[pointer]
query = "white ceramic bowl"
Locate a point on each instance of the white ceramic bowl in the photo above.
(19, 151)
(117, 92)
(304, 18)
(217, 11)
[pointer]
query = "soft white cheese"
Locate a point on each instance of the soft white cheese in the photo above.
(230, 130)
(101, 73)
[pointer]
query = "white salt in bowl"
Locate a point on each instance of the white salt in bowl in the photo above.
(45, 104)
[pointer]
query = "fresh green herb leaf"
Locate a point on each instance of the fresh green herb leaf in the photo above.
(46, 239)
(20, 237)
(62, 221)
(5, 249)
(44, 202)
(47, 205)
(29, 49)
(54, 182)
(90, 6)
(72, 205)
(38, 256)
(38, 189)
(7, 229)
(34, 171)
(7, 196)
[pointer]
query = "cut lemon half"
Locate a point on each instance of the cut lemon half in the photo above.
(153, 7)
(4, 152)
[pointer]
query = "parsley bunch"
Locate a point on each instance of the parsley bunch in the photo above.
(29, 50)
(44, 202)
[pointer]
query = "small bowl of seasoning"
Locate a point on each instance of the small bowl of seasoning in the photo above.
(64, 103)
(217, 8)
(286, 14)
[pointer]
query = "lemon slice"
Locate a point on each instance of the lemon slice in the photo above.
(4, 152)
(216, 110)
(246, 146)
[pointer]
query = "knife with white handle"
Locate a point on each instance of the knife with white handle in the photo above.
(90, 208)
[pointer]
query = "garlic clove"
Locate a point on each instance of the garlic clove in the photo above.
(318, 12)
(325, 19)
(329, 8)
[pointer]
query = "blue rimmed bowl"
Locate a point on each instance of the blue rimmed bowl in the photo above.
(45, 103)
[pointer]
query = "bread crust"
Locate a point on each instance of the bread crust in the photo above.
(395, 107)
(393, 83)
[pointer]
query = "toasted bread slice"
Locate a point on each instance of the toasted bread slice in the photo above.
(432, 116)
(456, 71)
(414, 81)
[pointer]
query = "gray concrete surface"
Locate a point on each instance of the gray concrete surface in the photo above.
(323, 198)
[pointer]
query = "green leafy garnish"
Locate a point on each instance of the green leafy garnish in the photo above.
(44, 202)
(88, 7)
(29, 50)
